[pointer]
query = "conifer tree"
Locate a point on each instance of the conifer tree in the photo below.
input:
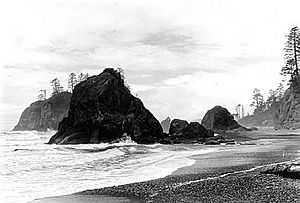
(42, 95)
(82, 77)
(292, 54)
(57, 88)
(72, 81)
(258, 101)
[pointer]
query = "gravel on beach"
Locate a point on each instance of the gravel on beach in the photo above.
(240, 187)
(231, 174)
(222, 177)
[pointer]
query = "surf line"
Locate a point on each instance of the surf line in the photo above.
(176, 185)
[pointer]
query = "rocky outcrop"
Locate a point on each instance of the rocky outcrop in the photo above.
(102, 109)
(45, 114)
(183, 132)
(220, 119)
(263, 119)
(166, 124)
(178, 127)
(288, 114)
(288, 170)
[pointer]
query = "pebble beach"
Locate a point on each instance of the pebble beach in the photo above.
(231, 174)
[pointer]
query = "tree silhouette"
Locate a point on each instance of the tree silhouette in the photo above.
(258, 101)
(292, 54)
(82, 77)
(272, 98)
(56, 86)
(280, 91)
(42, 95)
(72, 81)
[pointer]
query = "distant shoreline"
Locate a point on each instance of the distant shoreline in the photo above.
(272, 148)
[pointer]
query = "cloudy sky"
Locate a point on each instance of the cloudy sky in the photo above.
(180, 57)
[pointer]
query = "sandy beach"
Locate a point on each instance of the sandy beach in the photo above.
(230, 174)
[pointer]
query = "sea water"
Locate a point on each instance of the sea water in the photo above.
(31, 169)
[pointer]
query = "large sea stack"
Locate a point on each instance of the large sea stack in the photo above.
(219, 119)
(45, 114)
(102, 109)
(288, 114)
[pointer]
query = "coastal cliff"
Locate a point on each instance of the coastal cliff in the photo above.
(45, 114)
(102, 109)
(288, 114)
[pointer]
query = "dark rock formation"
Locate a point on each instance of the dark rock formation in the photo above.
(212, 142)
(102, 109)
(288, 170)
(183, 132)
(288, 114)
(218, 139)
(178, 127)
(253, 128)
(166, 124)
(220, 119)
(46, 114)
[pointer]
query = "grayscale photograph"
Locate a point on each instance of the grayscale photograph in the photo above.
(149, 101)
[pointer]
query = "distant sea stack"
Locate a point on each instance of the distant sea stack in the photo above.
(102, 109)
(166, 124)
(288, 114)
(219, 119)
(45, 114)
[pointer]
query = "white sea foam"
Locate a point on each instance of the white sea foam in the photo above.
(31, 169)
(227, 174)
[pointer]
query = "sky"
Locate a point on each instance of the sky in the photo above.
(180, 57)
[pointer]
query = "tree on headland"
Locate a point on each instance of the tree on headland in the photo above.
(272, 98)
(280, 91)
(292, 54)
(42, 95)
(258, 101)
(275, 95)
(122, 73)
(57, 88)
(82, 77)
(72, 81)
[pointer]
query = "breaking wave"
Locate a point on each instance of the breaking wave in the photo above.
(32, 169)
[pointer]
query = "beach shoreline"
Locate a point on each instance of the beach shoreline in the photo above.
(228, 174)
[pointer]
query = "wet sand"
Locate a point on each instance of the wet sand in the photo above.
(231, 174)
(86, 198)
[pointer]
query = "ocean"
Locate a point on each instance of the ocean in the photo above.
(31, 169)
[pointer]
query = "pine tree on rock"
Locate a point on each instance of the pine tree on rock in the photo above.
(292, 54)
(42, 95)
(72, 81)
(82, 77)
(57, 88)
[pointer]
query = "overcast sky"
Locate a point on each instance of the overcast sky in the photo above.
(180, 57)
